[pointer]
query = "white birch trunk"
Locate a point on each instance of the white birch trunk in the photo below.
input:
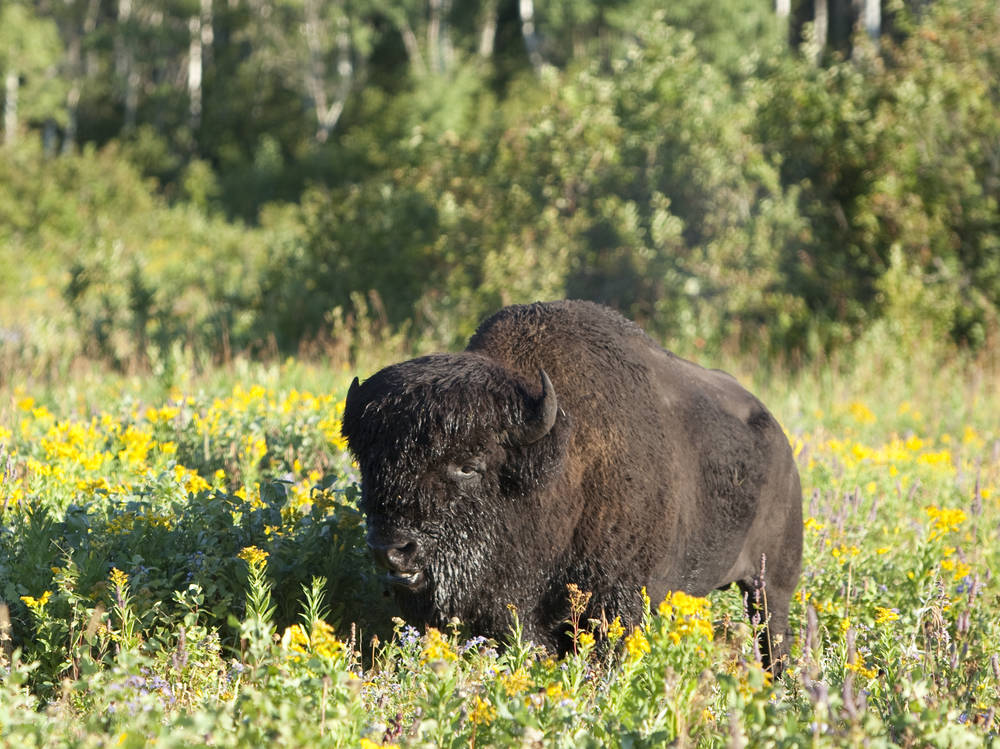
(72, 101)
(194, 72)
(327, 112)
(526, 9)
(412, 48)
(438, 39)
(125, 64)
(207, 32)
(821, 26)
(11, 85)
(872, 18)
(434, 36)
(488, 30)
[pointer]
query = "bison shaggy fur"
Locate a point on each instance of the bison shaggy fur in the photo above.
(565, 446)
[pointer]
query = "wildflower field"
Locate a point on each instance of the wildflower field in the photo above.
(185, 565)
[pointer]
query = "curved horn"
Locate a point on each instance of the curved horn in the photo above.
(352, 392)
(542, 414)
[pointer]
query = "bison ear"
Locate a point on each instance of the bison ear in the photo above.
(542, 415)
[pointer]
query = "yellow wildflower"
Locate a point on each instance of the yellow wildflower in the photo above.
(37, 605)
(253, 556)
(585, 640)
(971, 437)
(118, 578)
(691, 615)
(843, 550)
(686, 605)
(861, 413)
(956, 566)
(330, 426)
(637, 645)
(436, 647)
(137, 445)
(941, 458)
(884, 616)
(324, 642)
(321, 641)
(296, 640)
(516, 682)
(812, 524)
(483, 712)
(860, 668)
(615, 629)
(944, 520)
(369, 744)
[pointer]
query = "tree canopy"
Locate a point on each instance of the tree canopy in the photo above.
(258, 174)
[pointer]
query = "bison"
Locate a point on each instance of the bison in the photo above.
(565, 446)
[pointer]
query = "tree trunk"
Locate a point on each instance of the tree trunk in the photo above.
(72, 101)
(92, 58)
(438, 39)
(821, 26)
(73, 95)
(327, 112)
(434, 36)
(78, 65)
(412, 48)
(871, 17)
(194, 73)
(125, 64)
(526, 9)
(207, 32)
(11, 84)
(488, 30)
(199, 48)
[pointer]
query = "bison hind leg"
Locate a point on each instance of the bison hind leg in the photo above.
(767, 608)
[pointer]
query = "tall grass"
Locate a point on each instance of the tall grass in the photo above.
(182, 563)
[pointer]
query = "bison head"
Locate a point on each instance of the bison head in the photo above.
(456, 455)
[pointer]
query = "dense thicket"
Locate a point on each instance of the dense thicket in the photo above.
(184, 178)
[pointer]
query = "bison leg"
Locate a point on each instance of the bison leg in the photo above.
(767, 603)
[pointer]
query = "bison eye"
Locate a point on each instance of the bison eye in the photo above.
(464, 471)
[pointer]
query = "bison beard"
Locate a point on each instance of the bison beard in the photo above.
(565, 446)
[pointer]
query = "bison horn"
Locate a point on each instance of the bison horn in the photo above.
(542, 415)
(352, 392)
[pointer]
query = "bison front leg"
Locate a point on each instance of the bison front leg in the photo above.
(767, 602)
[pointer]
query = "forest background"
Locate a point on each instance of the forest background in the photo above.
(183, 181)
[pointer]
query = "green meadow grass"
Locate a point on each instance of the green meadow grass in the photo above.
(185, 566)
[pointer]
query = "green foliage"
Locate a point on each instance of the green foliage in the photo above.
(683, 164)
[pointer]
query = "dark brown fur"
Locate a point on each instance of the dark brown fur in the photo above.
(657, 473)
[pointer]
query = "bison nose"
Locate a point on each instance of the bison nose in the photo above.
(396, 556)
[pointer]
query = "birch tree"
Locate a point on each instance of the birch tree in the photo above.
(30, 51)
(77, 20)
(424, 28)
(317, 47)
(200, 28)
